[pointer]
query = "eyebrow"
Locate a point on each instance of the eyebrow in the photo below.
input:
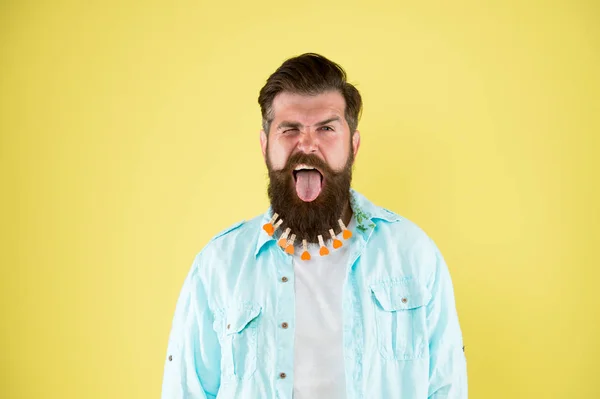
(289, 124)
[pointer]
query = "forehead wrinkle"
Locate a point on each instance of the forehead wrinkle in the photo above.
(291, 122)
(303, 109)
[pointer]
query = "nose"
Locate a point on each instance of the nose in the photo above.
(308, 142)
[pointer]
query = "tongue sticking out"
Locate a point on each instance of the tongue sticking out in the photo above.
(308, 185)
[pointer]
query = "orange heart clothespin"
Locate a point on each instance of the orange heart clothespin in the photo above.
(345, 232)
(336, 243)
(323, 251)
(290, 247)
(283, 239)
(268, 227)
(305, 254)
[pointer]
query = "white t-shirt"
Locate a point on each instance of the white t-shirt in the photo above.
(318, 350)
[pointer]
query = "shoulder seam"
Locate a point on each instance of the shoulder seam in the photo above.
(227, 230)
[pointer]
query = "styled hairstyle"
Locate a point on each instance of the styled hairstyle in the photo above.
(309, 74)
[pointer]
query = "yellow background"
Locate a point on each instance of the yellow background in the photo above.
(129, 137)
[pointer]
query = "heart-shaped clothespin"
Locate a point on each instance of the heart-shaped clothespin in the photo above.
(345, 232)
(323, 251)
(283, 239)
(305, 254)
(290, 245)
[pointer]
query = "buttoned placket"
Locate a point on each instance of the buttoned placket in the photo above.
(285, 318)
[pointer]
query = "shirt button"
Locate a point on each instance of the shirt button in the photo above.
(284, 325)
(282, 375)
(228, 326)
(170, 358)
(404, 300)
(284, 279)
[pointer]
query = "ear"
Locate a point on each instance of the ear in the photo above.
(355, 142)
(263, 144)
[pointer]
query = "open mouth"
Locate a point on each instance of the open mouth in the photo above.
(308, 181)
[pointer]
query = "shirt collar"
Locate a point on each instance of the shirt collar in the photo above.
(364, 211)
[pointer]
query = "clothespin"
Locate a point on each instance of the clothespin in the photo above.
(345, 232)
(290, 247)
(268, 227)
(305, 255)
(323, 251)
(283, 239)
(336, 243)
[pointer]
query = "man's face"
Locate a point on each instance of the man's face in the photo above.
(309, 153)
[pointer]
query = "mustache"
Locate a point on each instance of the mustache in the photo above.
(307, 159)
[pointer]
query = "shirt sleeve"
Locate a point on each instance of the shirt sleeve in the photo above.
(448, 368)
(192, 364)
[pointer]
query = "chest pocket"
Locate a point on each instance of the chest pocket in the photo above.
(240, 339)
(401, 318)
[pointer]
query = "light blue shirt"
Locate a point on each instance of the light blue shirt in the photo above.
(401, 334)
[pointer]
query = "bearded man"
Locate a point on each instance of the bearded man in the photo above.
(326, 295)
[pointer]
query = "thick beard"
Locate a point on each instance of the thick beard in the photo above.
(309, 219)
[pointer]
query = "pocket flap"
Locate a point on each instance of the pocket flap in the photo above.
(401, 295)
(238, 317)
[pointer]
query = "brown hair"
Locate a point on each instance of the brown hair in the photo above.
(309, 74)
